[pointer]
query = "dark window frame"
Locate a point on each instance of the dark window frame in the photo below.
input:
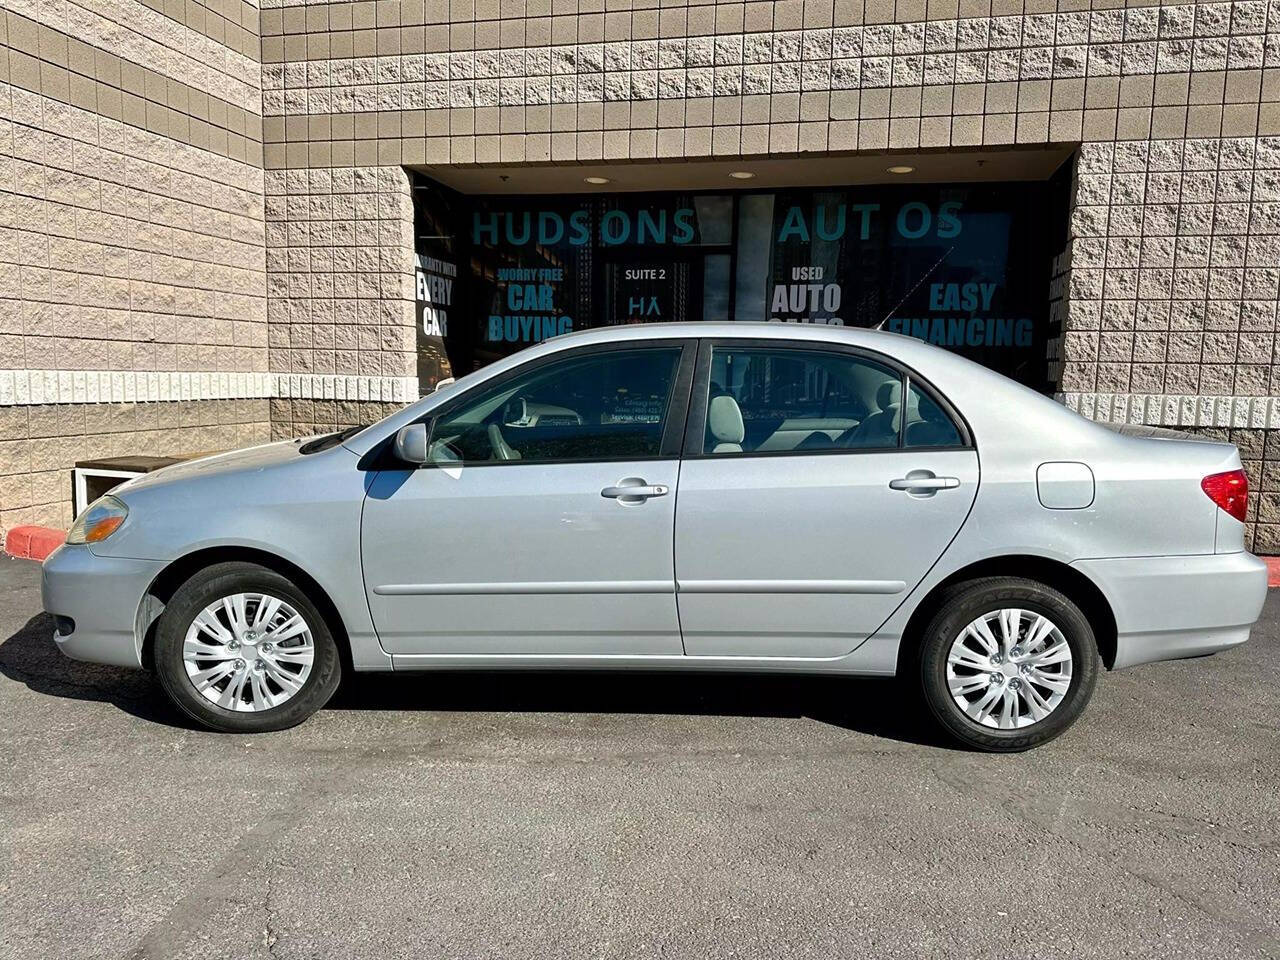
(696, 420)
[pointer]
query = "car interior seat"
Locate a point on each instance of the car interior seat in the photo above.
(724, 424)
(880, 429)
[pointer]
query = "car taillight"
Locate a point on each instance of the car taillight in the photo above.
(1230, 491)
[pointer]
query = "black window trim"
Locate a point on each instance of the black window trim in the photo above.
(695, 424)
(677, 403)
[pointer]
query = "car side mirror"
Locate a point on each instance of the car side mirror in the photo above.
(411, 443)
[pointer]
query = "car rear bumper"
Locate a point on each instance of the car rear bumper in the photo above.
(1167, 608)
(95, 602)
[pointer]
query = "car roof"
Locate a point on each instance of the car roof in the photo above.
(758, 329)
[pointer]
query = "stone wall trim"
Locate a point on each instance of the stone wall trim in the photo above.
(38, 387)
(1176, 410)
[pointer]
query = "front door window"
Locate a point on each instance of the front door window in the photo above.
(602, 405)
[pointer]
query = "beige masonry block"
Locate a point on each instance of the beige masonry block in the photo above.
(999, 128)
(726, 141)
(1269, 120)
(904, 133)
(812, 137)
(697, 141)
(841, 135)
(670, 143)
(564, 146)
(1066, 126)
(966, 130)
(1169, 122)
(935, 131)
(755, 138)
(873, 134)
(537, 147)
(152, 241)
(615, 145)
(643, 145)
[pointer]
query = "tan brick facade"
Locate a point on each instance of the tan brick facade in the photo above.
(267, 149)
(340, 289)
(35, 467)
(132, 244)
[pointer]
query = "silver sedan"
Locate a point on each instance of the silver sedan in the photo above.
(759, 497)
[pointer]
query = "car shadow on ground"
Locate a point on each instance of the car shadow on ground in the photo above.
(31, 657)
(878, 707)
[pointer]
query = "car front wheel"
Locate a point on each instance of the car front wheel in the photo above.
(241, 649)
(1007, 663)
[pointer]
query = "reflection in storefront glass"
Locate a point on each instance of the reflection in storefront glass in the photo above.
(966, 267)
(963, 267)
(715, 287)
(715, 219)
(755, 252)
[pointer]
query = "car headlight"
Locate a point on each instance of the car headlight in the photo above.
(103, 518)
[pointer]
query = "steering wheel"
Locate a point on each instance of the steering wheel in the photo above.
(501, 449)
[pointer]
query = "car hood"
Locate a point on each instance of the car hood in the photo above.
(250, 460)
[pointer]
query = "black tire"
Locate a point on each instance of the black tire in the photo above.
(964, 604)
(226, 579)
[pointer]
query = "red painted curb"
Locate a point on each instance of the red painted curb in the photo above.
(1273, 571)
(33, 543)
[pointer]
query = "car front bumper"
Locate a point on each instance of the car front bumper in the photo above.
(95, 602)
(1167, 608)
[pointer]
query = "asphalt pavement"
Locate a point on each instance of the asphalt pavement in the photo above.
(583, 816)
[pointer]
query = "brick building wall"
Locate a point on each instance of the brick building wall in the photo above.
(267, 149)
(340, 302)
(1172, 306)
(132, 277)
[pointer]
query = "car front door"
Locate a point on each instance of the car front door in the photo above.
(819, 486)
(542, 523)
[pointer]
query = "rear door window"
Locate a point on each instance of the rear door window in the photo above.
(787, 400)
(763, 400)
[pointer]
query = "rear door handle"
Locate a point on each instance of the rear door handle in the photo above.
(925, 483)
(635, 490)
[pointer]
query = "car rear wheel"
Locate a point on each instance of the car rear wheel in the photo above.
(1007, 663)
(241, 649)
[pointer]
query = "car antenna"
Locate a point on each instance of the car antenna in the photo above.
(946, 253)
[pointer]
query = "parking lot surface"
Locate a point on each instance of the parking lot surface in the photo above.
(582, 816)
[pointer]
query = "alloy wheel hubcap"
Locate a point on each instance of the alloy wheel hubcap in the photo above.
(248, 652)
(1009, 668)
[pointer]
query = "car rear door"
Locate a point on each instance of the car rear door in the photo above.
(543, 523)
(804, 547)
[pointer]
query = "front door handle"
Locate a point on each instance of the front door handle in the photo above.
(635, 490)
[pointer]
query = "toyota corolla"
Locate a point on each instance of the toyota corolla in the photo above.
(757, 497)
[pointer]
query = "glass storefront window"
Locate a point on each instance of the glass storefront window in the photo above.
(715, 219)
(755, 257)
(715, 287)
(966, 267)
